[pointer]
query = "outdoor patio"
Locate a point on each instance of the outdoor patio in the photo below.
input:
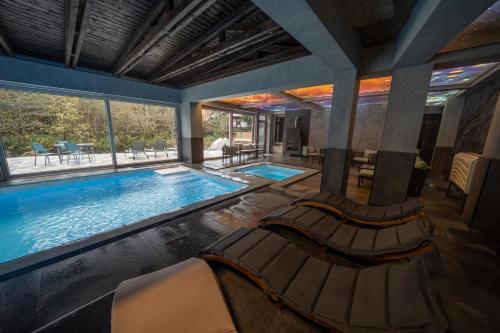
(26, 164)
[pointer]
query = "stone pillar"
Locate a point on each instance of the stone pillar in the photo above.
(482, 206)
(442, 158)
(341, 123)
(403, 119)
(192, 132)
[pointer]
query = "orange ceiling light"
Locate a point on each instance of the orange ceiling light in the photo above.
(376, 85)
(254, 99)
(314, 92)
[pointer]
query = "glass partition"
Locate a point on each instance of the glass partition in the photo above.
(143, 133)
(215, 132)
(243, 132)
(43, 132)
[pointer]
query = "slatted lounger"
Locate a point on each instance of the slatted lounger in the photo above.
(391, 243)
(390, 297)
(367, 214)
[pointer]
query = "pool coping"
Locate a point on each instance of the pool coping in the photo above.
(308, 172)
(30, 262)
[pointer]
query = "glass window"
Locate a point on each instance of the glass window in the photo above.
(215, 132)
(242, 128)
(43, 132)
(143, 132)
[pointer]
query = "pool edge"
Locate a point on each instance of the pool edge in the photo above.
(43, 258)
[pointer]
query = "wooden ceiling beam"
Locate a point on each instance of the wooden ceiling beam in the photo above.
(295, 52)
(264, 31)
(5, 44)
(233, 57)
(168, 24)
(153, 14)
(83, 25)
(70, 29)
(245, 10)
(76, 26)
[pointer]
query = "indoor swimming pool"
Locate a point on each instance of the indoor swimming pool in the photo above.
(45, 215)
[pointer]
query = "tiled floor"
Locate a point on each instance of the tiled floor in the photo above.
(467, 280)
(26, 164)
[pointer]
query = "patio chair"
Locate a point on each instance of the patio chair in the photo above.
(395, 297)
(159, 147)
(138, 148)
(380, 216)
(39, 149)
(72, 150)
(61, 149)
(398, 242)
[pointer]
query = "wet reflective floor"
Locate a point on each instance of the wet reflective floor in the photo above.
(465, 269)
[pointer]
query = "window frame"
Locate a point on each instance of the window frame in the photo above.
(106, 98)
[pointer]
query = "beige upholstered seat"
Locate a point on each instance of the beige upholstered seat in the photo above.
(182, 298)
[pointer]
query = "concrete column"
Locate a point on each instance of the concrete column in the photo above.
(341, 123)
(482, 209)
(403, 119)
(442, 158)
(192, 132)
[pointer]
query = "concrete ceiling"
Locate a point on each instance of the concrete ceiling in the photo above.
(377, 22)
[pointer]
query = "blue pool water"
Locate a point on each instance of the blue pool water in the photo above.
(44, 215)
(271, 171)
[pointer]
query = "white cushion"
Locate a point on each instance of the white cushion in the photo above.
(182, 298)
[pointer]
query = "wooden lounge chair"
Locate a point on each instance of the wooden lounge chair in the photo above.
(392, 243)
(182, 298)
(383, 298)
(365, 214)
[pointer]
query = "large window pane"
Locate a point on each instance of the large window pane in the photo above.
(242, 128)
(215, 132)
(58, 132)
(143, 132)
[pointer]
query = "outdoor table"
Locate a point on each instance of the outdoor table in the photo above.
(84, 147)
(87, 148)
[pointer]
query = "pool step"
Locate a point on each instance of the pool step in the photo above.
(170, 171)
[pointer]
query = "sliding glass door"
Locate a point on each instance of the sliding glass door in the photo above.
(45, 132)
(143, 132)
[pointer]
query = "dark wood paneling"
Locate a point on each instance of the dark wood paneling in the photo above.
(40, 29)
